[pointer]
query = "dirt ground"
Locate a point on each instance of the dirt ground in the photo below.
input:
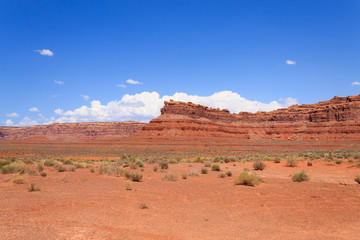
(85, 205)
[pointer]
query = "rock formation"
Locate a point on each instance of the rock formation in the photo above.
(72, 131)
(338, 118)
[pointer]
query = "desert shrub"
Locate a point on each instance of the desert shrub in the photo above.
(204, 171)
(67, 162)
(222, 175)
(163, 165)
(17, 167)
(128, 186)
(79, 165)
(143, 206)
(247, 178)
(267, 158)
(40, 167)
(19, 180)
(70, 168)
(277, 160)
(291, 162)
(215, 167)
(259, 165)
(217, 159)
(155, 168)
(194, 173)
(357, 179)
(59, 167)
(133, 166)
(229, 173)
(246, 169)
(184, 176)
(207, 164)
(32, 188)
(309, 164)
(43, 174)
(338, 161)
(170, 177)
(140, 163)
(92, 169)
(136, 177)
(49, 162)
(300, 177)
(230, 159)
(198, 160)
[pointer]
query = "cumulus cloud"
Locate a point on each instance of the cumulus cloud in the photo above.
(146, 106)
(27, 121)
(121, 85)
(34, 109)
(134, 82)
(85, 97)
(355, 83)
(12, 115)
(45, 52)
(59, 82)
(9, 122)
(290, 62)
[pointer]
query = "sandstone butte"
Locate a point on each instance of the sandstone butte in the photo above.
(336, 119)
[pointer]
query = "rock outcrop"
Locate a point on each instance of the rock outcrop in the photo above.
(72, 131)
(338, 118)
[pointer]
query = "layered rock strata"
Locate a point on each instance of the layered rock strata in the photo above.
(73, 131)
(338, 118)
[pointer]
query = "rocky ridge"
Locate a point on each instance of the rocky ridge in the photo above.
(72, 131)
(338, 118)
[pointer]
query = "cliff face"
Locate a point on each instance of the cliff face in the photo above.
(73, 131)
(338, 118)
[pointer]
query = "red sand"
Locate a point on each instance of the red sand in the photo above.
(84, 205)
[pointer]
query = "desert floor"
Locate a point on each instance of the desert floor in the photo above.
(86, 205)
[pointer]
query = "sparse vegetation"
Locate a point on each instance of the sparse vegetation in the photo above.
(194, 173)
(163, 165)
(33, 188)
(170, 177)
(222, 175)
(155, 168)
(135, 177)
(43, 174)
(247, 178)
(128, 186)
(143, 206)
(309, 164)
(215, 167)
(229, 173)
(19, 180)
(300, 177)
(259, 165)
(204, 171)
(184, 176)
(291, 162)
(357, 179)
(277, 160)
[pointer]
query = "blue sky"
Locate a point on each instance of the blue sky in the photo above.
(68, 61)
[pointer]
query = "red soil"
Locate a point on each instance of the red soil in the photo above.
(84, 205)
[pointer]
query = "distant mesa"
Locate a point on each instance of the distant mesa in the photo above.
(336, 119)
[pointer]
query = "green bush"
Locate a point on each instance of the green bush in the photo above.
(135, 177)
(247, 178)
(277, 160)
(49, 162)
(43, 174)
(215, 167)
(155, 168)
(259, 165)
(300, 177)
(309, 164)
(229, 173)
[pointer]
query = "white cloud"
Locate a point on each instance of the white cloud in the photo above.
(355, 83)
(290, 62)
(26, 121)
(85, 97)
(59, 111)
(34, 109)
(9, 122)
(55, 95)
(130, 81)
(146, 106)
(45, 52)
(121, 85)
(59, 82)
(12, 115)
